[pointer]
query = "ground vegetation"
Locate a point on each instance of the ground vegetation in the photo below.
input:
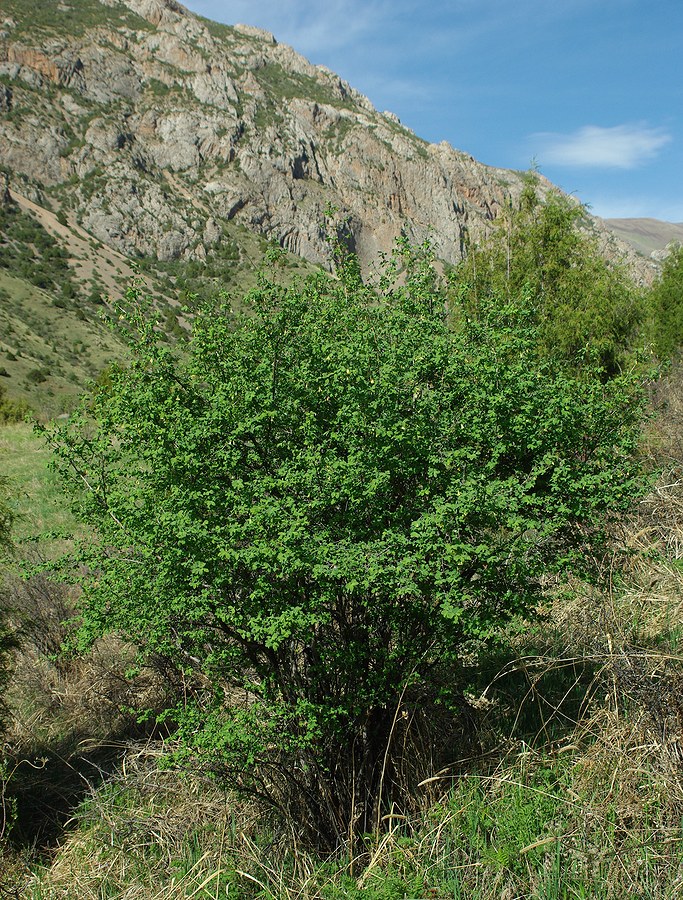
(328, 507)
(300, 553)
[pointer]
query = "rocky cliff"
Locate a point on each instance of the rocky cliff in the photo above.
(160, 133)
(156, 129)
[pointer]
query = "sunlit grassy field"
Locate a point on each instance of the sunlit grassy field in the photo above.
(37, 499)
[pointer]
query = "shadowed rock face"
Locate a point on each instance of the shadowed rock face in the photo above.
(156, 126)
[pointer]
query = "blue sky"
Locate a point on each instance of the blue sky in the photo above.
(590, 91)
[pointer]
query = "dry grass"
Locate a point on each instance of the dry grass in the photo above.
(596, 814)
(602, 824)
(137, 837)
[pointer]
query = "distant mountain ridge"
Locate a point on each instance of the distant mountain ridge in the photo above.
(650, 237)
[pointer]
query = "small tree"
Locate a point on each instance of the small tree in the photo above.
(324, 507)
(585, 308)
(666, 306)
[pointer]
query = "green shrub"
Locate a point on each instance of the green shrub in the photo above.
(11, 410)
(324, 507)
(37, 376)
(666, 306)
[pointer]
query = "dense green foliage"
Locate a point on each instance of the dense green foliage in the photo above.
(326, 507)
(666, 304)
(11, 410)
(585, 309)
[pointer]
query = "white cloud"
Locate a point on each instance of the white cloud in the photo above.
(620, 147)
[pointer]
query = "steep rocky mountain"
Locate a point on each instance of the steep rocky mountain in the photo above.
(157, 130)
(132, 131)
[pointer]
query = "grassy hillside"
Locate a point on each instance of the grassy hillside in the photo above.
(646, 235)
(58, 286)
(49, 347)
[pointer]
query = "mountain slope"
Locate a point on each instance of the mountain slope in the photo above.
(161, 132)
(136, 134)
(650, 237)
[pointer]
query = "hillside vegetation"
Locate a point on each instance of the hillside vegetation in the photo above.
(58, 286)
(373, 590)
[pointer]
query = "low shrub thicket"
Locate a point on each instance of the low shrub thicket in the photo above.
(327, 507)
(11, 410)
